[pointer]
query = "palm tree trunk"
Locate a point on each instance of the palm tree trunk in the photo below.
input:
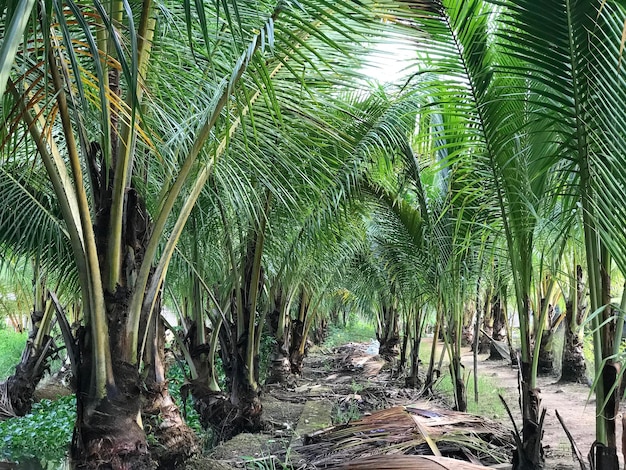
(296, 358)
(176, 441)
(499, 327)
(459, 385)
(280, 328)
(574, 367)
(432, 374)
(389, 336)
(546, 347)
(19, 388)
(530, 456)
(240, 410)
(109, 428)
(297, 346)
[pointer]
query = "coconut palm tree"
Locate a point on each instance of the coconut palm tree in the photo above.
(478, 136)
(572, 66)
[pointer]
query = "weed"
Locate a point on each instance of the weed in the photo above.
(44, 434)
(488, 402)
(346, 412)
(11, 346)
(176, 379)
(356, 386)
(266, 463)
(357, 330)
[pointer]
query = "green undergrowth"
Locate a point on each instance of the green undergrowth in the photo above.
(175, 381)
(357, 330)
(44, 434)
(489, 404)
(267, 463)
(11, 346)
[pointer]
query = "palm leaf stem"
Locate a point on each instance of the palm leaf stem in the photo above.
(544, 313)
(592, 243)
(201, 137)
(13, 35)
(160, 272)
(619, 328)
(124, 161)
(253, 294)
(95, 295)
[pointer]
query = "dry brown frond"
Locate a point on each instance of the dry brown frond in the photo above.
(418, 429)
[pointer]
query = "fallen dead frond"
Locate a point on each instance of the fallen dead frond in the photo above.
(409, 462)
(6, 408)
(413, 430)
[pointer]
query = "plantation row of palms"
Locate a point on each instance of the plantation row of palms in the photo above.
(231, 160)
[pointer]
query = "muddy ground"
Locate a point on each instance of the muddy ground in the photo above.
(347, 382)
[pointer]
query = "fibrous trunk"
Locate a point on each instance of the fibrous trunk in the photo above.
(296, 356)
(389, 337)
(280, 328)
(574, 367)
(175, 441)
(546, 347)
(108, 431)
(413, 379)
(240, 410)
(530, 455)
(459, 384)
(19, 388)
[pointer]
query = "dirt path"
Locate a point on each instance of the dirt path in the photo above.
(573, 402)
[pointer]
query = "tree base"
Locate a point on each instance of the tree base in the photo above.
(175, 441)
(111, 443)
(574, 367)
(217, 412)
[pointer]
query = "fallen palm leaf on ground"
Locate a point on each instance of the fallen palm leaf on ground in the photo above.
(418, 429)
(409, 462)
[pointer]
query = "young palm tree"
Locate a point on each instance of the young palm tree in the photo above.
(479, 136)
(570, 54)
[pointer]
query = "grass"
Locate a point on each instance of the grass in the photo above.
(11, 346)
(489, 404)
(356, 331)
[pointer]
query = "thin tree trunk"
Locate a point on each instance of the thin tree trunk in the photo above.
(459, 385)
(389, 337)
(413, 379)
(573, 366)
(280, 328)
(432, 375)
(606, 456)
